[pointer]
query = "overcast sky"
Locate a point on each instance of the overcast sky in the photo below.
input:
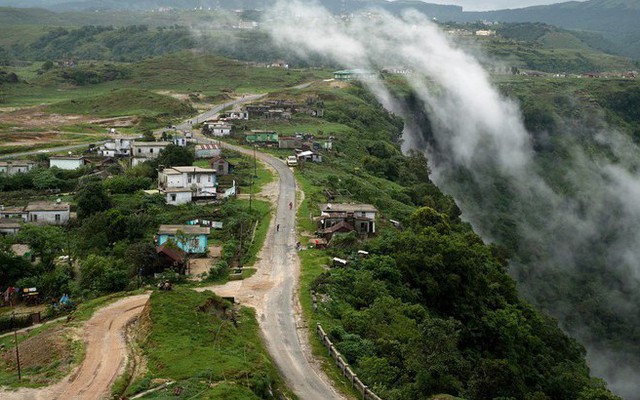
(483, 5)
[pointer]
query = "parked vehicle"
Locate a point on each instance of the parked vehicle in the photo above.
(292, 161)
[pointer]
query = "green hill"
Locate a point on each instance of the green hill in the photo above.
(124, 102)
(616, 20)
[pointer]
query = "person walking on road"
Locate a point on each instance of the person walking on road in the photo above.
(290, 205)
(278, 228)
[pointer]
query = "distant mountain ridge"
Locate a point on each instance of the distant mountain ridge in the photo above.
(616, 20)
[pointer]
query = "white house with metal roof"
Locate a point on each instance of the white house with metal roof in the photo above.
(119, 146)
(181, 185)
(66, 162)
(39, 212)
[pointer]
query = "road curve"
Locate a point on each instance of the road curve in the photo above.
(105, 357)
(277, 312)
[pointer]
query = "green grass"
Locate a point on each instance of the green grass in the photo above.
(264, 209)
(194, 342)
(305, 209)
(124, 102)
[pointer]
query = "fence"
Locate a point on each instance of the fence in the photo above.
(347, 372)
(18, 320)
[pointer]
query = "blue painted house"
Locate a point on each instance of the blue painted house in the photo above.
(191, 239)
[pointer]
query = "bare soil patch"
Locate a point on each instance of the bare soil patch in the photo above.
(53, 346)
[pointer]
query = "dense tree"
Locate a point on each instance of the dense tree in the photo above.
(12, 268)
(46, 241)
(92, 198)
(175, 156)
(104, 274)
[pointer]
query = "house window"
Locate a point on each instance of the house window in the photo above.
(189, 178)
(198, 178)
(139, 151)
(209, 178)
(220, 168)
(151, 151)
(57, 217)
(173, 197)
(34, 217)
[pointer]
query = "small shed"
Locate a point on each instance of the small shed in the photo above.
(221, 166)
(170, 258)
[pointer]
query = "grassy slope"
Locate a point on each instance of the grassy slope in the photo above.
(122, 102)
(204, 351)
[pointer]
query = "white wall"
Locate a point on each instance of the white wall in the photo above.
(66, 164)
(178, 198)
(49, 217)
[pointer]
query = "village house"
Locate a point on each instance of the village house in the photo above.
(170, 258)
(145, 151)
(262, 137)
(40, 212)
(13, 213)
(240, 113)
(485, 32)
(66, 162)
(12, 167)
(353, 74)
(254, 111)
(179, 140)
(181, 185)
(218, 128)
(309, 156)
(289, 142)
(119, 146)
(335, 218)
(10, 226)
(48, 212)
(221, 166)
(189, 238)
(207, 150)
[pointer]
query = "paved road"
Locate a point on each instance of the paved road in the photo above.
(51, 150)
(212, 113)
(273, 292)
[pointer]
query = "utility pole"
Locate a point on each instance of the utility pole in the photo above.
(15, 338)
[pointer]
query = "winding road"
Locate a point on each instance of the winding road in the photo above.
(104, 361)
(272, 291)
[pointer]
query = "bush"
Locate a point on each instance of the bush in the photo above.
(9, 323)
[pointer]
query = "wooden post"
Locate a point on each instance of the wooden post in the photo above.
(15, 338)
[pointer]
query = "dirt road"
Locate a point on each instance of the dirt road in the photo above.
(105, 357)
(272, 291)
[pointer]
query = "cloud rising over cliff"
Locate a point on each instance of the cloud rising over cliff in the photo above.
(476, 129)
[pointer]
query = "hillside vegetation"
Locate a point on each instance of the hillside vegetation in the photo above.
(125, 102)
(211, 348)
(432, 310)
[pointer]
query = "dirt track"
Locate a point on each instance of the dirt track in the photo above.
(104, 360)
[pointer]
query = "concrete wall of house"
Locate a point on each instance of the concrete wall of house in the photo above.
(174, 181)
(9, 231)
(221, 131)
(207, 153)
(195, 244)
(66, 164)
(49, 217)
(178, 198)
(221, 167)
(15, 169)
